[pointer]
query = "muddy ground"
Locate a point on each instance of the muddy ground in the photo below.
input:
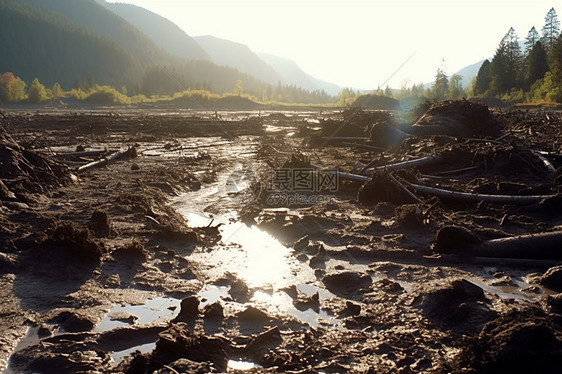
(191, 253)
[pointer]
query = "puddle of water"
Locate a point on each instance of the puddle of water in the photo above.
(211, 294)
(261, 260)
(155, 310)
(241, 365)
(507, 291)
(144, 348)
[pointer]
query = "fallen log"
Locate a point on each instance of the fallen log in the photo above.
(403, 164)
(345, 138)
(460, 241)
(131, 152)
(547, 164)
(546, 245)
(408, 192)
(456, 171)
(475, 197)
(80, 154)
(354, 177)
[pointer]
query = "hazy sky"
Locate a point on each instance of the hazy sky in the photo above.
(361, 43)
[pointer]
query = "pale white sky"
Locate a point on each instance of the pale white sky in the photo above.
(361, 43)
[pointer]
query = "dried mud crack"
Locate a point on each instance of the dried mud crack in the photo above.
(281, 242)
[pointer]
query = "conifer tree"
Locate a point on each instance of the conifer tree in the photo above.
(483, 79)
(532, 37)
(551, 29)
(537, 64)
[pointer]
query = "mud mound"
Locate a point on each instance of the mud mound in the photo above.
(382, 188)
(77, 241)
(356, 122)
(27, 169)
(346, 283)
(460, 306)
(377, 102)
(176, 343)
(457, 118)
(514, 343)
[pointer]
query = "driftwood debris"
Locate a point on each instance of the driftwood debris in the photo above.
(402, 165)
(129, 153)
(345, 138)
(460, 241)
(397, 182)
(74, 155)
(547, 164)
(476, 197)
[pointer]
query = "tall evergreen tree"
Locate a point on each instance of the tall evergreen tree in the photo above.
(506, 64)
(551, 29)
(532, 37)
(555, 62)
(483, 79)
(537, 64)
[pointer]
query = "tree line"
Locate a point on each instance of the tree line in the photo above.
(532, 73)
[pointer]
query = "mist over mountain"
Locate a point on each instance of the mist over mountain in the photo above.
(160, 30)
(64, 40)
(293, 74)
(239, 56)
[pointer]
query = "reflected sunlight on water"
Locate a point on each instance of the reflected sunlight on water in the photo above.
(261, 261)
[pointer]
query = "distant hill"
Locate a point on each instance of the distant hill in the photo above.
(160, 30)
(59, 40)
(469, 72)
(96, 18)
(239, 56)
(293, 74)
(38, 43)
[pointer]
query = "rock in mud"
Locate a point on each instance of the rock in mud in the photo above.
(460, 306)
(552, 278)
(301, 244)
(189, 309)
(131, 251)
(71, 321)
(454, 239)
(100, 224)
(77, 241)
(239, 290)
(305, 302)
(264, 341)
(346, 283)
(253, 314)
(214, 311)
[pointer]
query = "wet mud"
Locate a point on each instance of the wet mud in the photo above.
(195, 253)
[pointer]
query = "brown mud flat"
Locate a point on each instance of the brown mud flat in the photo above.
(183, 255)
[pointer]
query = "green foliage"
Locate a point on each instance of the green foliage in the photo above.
(537, 64)
(12, 88)
(106, 95)
(456, 90)
(346, 97)
(37, 92)
(56, 90)
(483, 79)
(441, 86)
